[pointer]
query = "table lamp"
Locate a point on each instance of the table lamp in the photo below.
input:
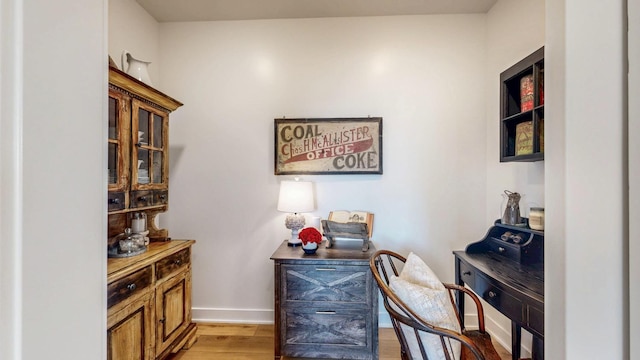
(295, 197)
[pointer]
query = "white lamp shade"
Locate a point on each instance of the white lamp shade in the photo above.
(296, 196)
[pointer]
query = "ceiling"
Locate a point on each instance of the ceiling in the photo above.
(213, 10)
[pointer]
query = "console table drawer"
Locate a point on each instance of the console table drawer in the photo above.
(535, 320)
(327, 333)
(499, 298)
(120, 290)
(326, 283)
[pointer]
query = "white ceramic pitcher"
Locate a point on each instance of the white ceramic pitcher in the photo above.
(137, 68)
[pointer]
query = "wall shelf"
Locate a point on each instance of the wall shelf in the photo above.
(522, 110)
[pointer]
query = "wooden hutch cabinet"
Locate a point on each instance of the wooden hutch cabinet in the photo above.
(149, 294)
(138, 151)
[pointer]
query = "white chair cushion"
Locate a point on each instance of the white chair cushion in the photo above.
(421, 290)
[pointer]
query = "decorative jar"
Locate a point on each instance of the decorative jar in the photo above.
(536, 218)
(310, 248)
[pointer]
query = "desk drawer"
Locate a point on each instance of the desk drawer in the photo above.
(172, 263)
(131, 284)
(467, 274)
(499, 298)
(535, 320)
(508, 250)
(342, 284)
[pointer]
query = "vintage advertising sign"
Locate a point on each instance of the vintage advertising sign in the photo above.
(328, 146)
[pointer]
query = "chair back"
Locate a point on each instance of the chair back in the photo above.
(408, 325)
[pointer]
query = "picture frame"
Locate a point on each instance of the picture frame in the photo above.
(324, 146)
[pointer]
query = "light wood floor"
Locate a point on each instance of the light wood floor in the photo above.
(255, 342)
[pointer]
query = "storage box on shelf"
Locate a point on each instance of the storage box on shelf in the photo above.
(522, 110)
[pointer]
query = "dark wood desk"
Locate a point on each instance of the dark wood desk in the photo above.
(514, 289)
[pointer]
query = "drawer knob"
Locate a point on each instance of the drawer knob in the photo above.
(163, 197)
(466, 273)
(501, 249)
(178, 262)
(325, 269)
(492, 294)
(131, 287)
(326, 312)
(142, 198)
(114, 201)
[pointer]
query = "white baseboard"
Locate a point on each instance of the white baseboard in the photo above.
(253, 316)
(236, 316)
(384, 321)
(498, 333)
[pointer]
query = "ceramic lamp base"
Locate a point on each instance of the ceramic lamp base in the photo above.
(295, 222)
(294, 241)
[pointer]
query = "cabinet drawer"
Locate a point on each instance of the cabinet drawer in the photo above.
(129, 285)
(499, 298)
(342, 284)
(172, 263)
(326, 332)
(467, 274)
(141, 198)
(161, 197)
(115, 201)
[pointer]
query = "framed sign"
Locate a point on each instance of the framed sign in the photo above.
(328, 146)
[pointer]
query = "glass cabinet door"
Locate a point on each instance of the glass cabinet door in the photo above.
(149, 132)
(118, 141)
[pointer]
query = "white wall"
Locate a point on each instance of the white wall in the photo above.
(10, 181)
(555, 165)
(515, 29)
(53, 222)
(586, 314)
(422, 74)
(634, 176)
(131, 28)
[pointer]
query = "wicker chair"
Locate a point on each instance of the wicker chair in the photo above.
(476, 344)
